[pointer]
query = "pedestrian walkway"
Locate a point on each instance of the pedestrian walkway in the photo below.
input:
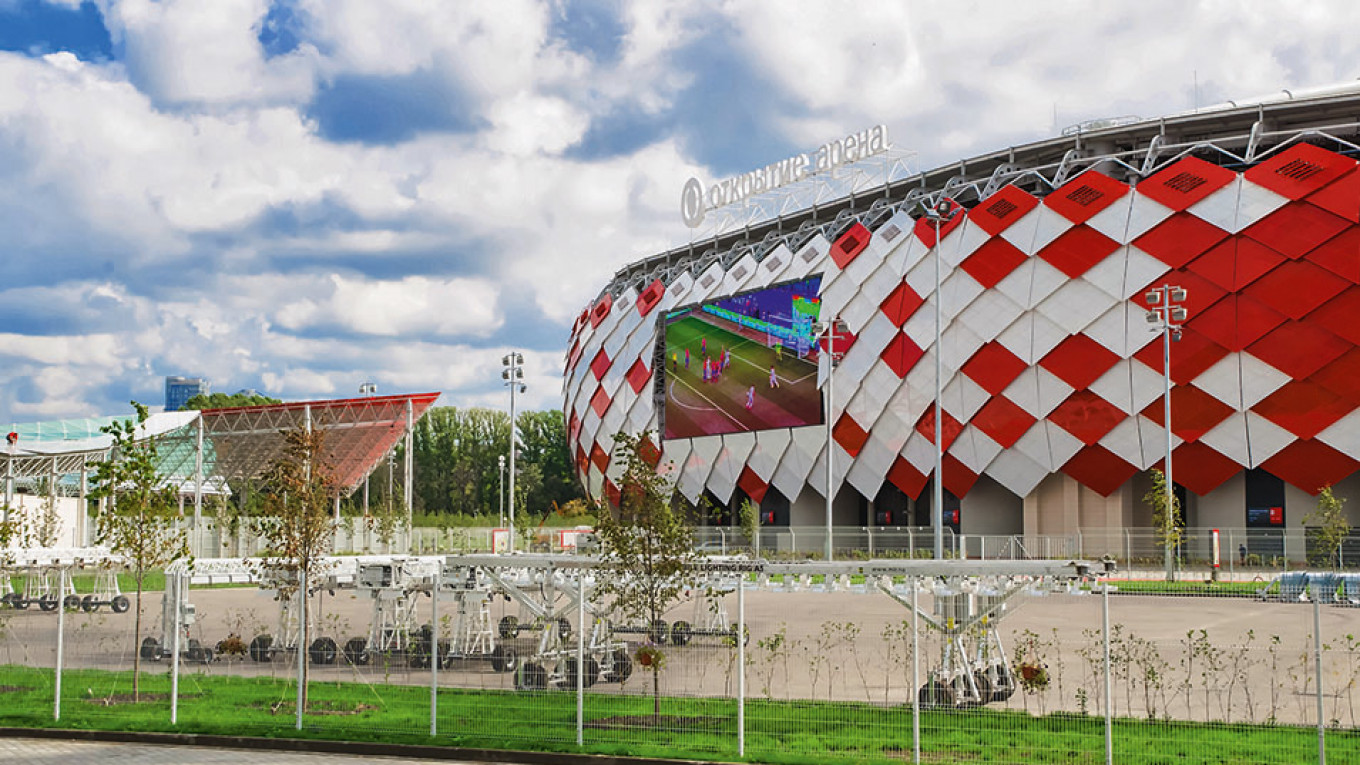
(27, 751)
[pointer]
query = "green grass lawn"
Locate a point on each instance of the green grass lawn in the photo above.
(701, 729)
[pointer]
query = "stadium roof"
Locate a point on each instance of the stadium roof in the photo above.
(238, 442)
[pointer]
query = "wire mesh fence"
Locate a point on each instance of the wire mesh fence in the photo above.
(765, 666)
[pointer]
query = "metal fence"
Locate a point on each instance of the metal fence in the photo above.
(828, 668)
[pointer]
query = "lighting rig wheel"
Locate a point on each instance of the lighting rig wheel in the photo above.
(261, 648)
(504, 658)
(88, 605)
(150, 649)
(531, 677)
(986, 689)
(508, 627)
(592, 673)
(564, 628)
(622, 666)
(194, 651)
(71, 602)
(120, 604)
(47, 603)
(323, 651)
(681, 633)
(658, 632)
(356, 651)
(935, 694)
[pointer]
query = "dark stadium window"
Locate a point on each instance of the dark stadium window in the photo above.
(1265, 516)
(952, 509)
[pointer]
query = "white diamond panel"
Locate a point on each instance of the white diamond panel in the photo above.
(1016, 472)
(1036, 230)
(1129, 385)
(1265, 439)
(1228, 438)
(1031, 337)
(1075, 305)
(1344, 435)
(1031, 282)
(738, 275)
(1125, 273)
(769, 448)
(989, 314)
(1048, 445)
(1129, 218)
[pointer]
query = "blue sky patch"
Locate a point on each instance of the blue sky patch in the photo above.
(34, 27)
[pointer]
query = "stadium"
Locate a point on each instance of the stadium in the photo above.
(1244, 217)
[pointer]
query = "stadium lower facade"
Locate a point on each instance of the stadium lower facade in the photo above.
(1052, 375)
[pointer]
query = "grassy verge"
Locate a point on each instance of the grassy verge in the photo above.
(701, 729)
(153, 582)
(1156, 587)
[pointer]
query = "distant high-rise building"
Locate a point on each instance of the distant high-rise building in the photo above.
(179, 390)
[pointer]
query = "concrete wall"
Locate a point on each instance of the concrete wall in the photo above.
(29, 508)
(990, 508)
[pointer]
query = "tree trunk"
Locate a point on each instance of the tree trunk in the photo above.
(656, 695)
(137, 645)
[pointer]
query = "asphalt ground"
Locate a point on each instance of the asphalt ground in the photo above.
(695, 407)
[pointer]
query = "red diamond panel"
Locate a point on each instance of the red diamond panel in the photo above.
(1341, 197)
(580, 321)
(648, 452)
(850, 245)
(650, 297)
(1185, 183)
(1342, 376)
(1082, 197)
(573, 427)
(1338, 315)
(1298, 349)
(950, 428)
(1079, 248)
(1237, 321)
(1199, 468)
(1079, 361)
(600, 364)
(601, 309)
(999, 211)
(1296, 228)
(1310, 465)
(1193, 412)
(993, 261)
(958, 479)
(638, 376)
(599, 458)
(1297, 287)
(600, 402)
(901, 354)
(1303, 408)
(843, 340)
(849, 435)
(612, 493)
(901, 304)
(752, 484)
(1235, 262)
(994, 368)
(582, 461)
(925, 227)
(1098, 469)
(1299, 170)
(1179, 239)
(1340, 254)
(1086, 416)
(907, 478)
(1190, 356)
(573, 356)
(1002, 421)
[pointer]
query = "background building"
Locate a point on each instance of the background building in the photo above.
(178, 390)
(1052, 374)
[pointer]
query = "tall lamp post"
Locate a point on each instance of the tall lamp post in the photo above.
(513, 375)
(501, 494)
(1166, 315)
(828, 329)
(943, 211)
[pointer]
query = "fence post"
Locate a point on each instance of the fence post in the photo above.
(1109, 691)
(915, 689)
(61, 643)
(1317, 671)
(741, 664)
(179, 596)
(580, 656)
(435, 657)
(301, 651)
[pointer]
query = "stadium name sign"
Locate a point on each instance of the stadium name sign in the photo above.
(694, 202)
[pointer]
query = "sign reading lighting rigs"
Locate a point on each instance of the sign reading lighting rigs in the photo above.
(694, 202)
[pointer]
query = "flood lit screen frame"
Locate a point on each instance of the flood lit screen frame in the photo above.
(742, 363)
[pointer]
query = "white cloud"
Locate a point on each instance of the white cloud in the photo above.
(414, 305)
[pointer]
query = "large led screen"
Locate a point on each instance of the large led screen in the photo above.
(743, 363)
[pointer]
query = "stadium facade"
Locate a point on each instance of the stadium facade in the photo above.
(1052, 373)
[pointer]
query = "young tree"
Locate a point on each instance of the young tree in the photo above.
(140, 522)
(748, 515)
(1328, 527)
(648, 545)
(297, 528)
(1166, 519)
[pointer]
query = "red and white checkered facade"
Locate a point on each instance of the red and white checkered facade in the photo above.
(1050, 365)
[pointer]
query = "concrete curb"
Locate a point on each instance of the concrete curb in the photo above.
(324, 746)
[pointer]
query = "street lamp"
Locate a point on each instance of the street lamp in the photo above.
(512, 376)
(1166, 315)
(368, 388)
(942, 212)
(828, 329)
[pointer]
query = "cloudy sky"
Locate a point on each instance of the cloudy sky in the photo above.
(297, 196)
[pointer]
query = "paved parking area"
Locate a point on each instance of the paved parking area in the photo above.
(50, 752)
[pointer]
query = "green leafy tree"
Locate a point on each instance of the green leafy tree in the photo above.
(1167, 523)
(224, 400)
(648, 546)
(748, 515)
(297, 528)
(1327, 527)
(140, 521)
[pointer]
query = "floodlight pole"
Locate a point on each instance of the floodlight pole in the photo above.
(828, 329)
(1167, 315)
(512, 375)
(943, 211)
(500, 495)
